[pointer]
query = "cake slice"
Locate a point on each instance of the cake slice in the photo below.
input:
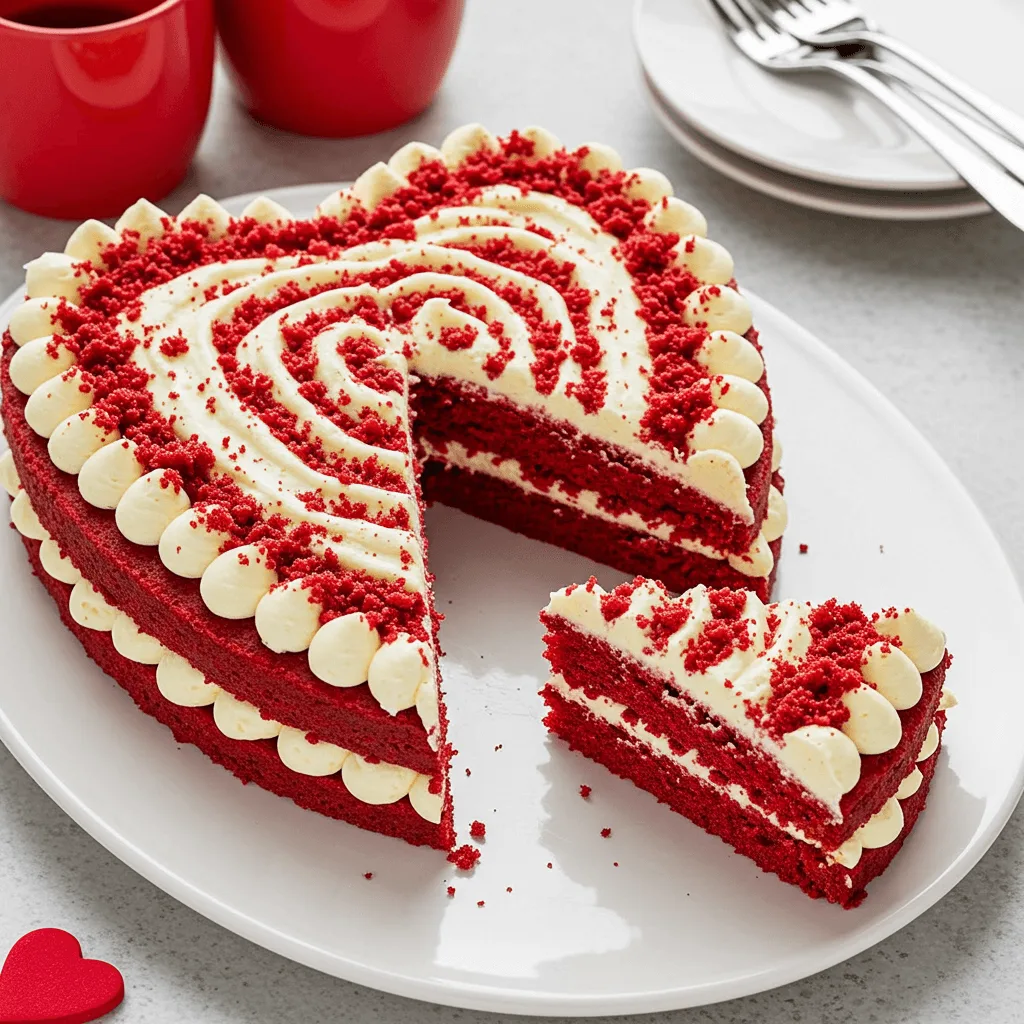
(804, 736)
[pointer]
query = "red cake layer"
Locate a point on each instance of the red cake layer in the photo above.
(171, 609)
(745, 830)
(590, 664)
(250, 760)
(537, 516)
(550, 451)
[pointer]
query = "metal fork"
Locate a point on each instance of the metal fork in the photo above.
(779, 51)
(831, 23)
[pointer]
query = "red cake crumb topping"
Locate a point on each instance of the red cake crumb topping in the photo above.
(368, 875)
(480, 903)
(616, 602)
(606, 833)
(585, 792)
(811, 692)
(728, 631)
(478, 830)
(456, 338)
(451, 891)
(465, 857)
(664, 622)
(803, 549)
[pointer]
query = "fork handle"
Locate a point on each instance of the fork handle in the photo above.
(998, 188)
(1012, 124)
(990, 141)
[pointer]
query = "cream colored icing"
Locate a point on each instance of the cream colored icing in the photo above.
(9, 479)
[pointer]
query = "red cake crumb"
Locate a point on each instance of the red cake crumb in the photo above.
(803, 549)
(585, 792)
(615, 863)
(728, 631)
(811, 693)
(451, 891)
(616, 602)
(468, 773)
(499, 746)
(478, 830)
(480, 903)
(606, 833)
(368, 875)
(465, 857)
(549, 864)
(508, 888)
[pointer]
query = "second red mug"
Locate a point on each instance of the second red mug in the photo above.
(338, 67)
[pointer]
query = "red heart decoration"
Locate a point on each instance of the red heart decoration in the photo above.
(45, 980)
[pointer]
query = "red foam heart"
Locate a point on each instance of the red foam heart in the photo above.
(45, 980)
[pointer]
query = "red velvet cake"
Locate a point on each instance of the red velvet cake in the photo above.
(222, 430)
(804, 736)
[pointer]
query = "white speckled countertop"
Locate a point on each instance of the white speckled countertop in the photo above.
(930, 313)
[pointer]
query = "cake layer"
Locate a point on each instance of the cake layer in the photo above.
(251, 760)
(549, 452)
(716, 810)
(600, 671)
(541, 518)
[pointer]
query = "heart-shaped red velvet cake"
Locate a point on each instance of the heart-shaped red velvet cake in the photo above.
(45, 979)
(223, 429)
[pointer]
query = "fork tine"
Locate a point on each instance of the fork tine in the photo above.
(728, 12)
(758, 22)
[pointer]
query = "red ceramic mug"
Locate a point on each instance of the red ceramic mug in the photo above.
(338, 67)
(100, 102)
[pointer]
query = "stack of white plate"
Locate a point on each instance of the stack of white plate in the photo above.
(812, 139)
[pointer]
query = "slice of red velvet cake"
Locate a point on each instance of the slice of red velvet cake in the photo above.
(804, 736)
(220, 427)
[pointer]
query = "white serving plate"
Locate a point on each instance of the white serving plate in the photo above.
(872, 204)
(681, 920)
(815, 125)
